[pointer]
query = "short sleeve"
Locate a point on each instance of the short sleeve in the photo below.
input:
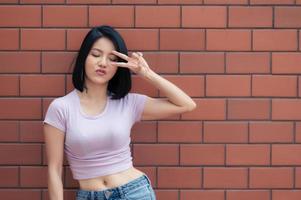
(55, 115)
(136, 104)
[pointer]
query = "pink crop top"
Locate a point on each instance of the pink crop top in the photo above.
(96, 145)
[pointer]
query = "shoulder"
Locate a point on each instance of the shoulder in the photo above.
(61, 102)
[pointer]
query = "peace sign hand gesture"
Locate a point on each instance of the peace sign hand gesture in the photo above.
(136, 63)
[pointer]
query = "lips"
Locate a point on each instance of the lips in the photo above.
(101, 72)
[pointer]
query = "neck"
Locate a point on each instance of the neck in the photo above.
(95, 92)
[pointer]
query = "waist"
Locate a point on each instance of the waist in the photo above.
(111, 180)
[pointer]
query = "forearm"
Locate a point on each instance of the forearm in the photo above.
(55, 186)
(170, 90)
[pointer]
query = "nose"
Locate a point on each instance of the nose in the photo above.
(102, 62)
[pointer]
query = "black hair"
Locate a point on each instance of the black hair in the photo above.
(120, 84)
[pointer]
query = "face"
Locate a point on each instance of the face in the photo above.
(100, 57)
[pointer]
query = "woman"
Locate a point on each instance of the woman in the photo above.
(92, 123)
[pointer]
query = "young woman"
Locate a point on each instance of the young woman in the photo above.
(92, 123)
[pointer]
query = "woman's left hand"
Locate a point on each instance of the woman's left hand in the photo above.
(136, 63)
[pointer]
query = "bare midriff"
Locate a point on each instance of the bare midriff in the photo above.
(110, 181)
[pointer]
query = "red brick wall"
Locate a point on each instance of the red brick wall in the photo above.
(240, 60)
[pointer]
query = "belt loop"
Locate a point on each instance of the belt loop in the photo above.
(108, 193)
(92, 194)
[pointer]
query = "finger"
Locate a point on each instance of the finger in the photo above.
(135, 55)
(140, 53)
(121, 55)
(121, 64)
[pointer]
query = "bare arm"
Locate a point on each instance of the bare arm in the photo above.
(177, 100)
(54, 142)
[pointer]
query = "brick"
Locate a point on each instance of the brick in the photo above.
(144, 132)
(9, 176)
(179, 2)
(240, 16)
(273, 85)
(298, 177)
(286, 63)
(30, 62)
(299, 86)
(89, 1)
(140, 39)
(207, 109)
(194, 39)
(157, 16)
(162, 62)
(271, 132)
(248, 195)
(30, 131)
(131, 1)
(225, 132)
(75, 38)
(14, 194)
(204, 16)
(286, 109)
(287, 17)
(40, 85)
(274, 40)
(179, 177)
(167, 194)
(20, 108)
(198, 62)
(264, 177)
(141, 86)
(42, 1)
(202, 194)
(163, 154)
(9, 131)
(253, 62)
(189, 132)
(57, 62)
(286, 154)
(228, 40)
(10, 1)
(225, 177)
(20, 154)
(11, 86)
(246, 154)
(228, 2)
(42, 39)
(202, 154)
(228, 85)
(248, 109)
(33, 176)
(184, 82)
(271, 2)
(298, 132)
(286, 194)
(116, 16)
(20, 16)
(55, 16)
(9, 39)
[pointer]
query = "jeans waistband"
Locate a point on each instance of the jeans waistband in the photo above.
(116, 191)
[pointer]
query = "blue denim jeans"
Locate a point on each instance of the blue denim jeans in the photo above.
(137, 189)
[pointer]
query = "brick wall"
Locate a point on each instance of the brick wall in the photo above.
(240, 60)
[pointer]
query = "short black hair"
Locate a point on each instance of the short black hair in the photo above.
(120, 84)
